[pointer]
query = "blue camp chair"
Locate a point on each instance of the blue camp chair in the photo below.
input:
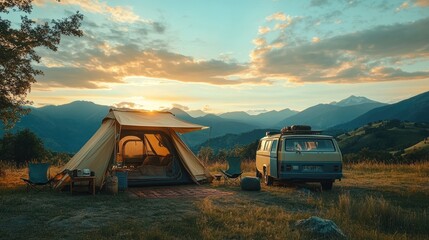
(38, 174)
(234, 169)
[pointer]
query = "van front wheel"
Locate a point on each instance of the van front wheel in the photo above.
(326, 185)
(268, 180)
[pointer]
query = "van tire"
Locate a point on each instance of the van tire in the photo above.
(327, 185)
(268, 180)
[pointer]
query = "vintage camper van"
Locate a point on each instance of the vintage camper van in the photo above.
(299, 154)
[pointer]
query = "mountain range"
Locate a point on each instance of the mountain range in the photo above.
(64, 128)
(67, 127)
(323, 116)
(414, 109)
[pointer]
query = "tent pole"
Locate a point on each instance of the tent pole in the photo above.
(117, 138)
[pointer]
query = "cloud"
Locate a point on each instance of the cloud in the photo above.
(355, 57)
(277, 16)
(263, 30)
(118, 13)
(422, 3)
(318, 3)
(403, 6)
(259, 41)
(283, 21)
(99, 64)
(158, 27)
(417, 3)
(75, 77)
(388, 73)
(206, 108)
(315, 40)
(407, 40)
(128, 105)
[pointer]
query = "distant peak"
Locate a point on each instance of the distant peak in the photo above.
(177, 111)
(353, 100)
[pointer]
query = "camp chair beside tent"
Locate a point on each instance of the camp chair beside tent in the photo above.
(38, 177)
(233, 173)
(133, 138)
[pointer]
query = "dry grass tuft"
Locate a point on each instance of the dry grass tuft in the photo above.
(376, 166)
(375, 215)
(244, 220)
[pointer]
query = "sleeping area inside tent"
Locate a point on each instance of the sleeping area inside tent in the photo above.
(150, 156)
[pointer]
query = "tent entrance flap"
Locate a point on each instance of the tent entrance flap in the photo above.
(150, 156)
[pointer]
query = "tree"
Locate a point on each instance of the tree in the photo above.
(17, 53)
(7, 150)
(206, 154)
(28, 147)
(22, 147)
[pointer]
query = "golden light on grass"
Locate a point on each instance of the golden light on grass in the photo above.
(10, 175)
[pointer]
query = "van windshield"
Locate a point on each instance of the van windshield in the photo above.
(309, 145)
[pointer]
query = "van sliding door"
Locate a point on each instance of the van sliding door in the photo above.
(273, 160)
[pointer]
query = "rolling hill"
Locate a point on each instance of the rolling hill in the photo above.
(389, 136)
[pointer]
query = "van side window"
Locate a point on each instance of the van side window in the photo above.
(268, 145)
(274, 146)
(261, 145)
(289, 146)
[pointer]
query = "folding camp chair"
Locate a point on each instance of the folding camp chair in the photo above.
(38, 174)
(234, 169)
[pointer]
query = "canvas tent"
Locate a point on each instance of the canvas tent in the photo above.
(144, 143)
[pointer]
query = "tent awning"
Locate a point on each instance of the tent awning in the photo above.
(135, 119)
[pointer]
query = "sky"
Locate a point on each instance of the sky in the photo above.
(235, 55)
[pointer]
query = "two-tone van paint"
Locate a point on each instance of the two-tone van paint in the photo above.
(304, 156)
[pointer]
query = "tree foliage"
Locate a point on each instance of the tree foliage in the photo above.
(248, 152)
(206, 154)
(17, 53)
(22, 147)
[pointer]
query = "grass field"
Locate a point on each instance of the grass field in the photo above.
(373, 201)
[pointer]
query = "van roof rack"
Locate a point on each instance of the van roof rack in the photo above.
(301, 132)
(298, 129)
